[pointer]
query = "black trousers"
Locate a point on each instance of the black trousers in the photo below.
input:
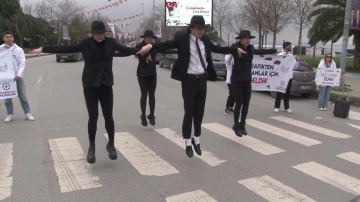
(230, 100)
(147, 86)
(93, 95)
(194, 95)
(285, 95)
(242, 94)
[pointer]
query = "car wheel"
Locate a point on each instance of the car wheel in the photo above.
(273, 94)
(305, 95)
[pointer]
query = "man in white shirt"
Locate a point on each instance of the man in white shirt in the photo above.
(229, 62)
(19, 65)
(286, 51)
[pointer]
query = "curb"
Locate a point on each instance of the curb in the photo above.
(35, 56)
(334, 96)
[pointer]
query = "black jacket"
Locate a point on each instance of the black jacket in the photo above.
(98, 63)
(243, 65)
(181, 41)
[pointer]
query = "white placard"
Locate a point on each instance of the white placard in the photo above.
(272, 73)
(328, 77)
(8, 87)
(158, 28)
(180, 12)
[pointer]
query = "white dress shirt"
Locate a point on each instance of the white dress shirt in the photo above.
(195, 66)
(18, 59)
(229, 62)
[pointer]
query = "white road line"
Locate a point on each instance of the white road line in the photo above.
(311, 127)
(144, 160)
(354, 126)
(350, 156)
(330, 176)
(247, 141)
(273, 190)
(194, 196)
(282, 133)
(206, 156)
(72, 170)
(6, 166)
(354, 115)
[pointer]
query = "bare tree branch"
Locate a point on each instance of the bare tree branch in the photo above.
(221, 12)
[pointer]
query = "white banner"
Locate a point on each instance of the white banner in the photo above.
(65, 30)
(180, 12)
(158, 28)
(272, 73)
(328, 77)
(8, 87)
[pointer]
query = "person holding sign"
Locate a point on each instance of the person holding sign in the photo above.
(324, 90)
(286, 51)
(19, 65)
(241, 78)
(193, 68)
(97, 79)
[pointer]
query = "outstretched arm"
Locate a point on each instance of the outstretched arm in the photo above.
(265, 51)
(122, 54)
(58, 49)
(125, 49)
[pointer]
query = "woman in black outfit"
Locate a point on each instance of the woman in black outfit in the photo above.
(241, 79)
(97, 80)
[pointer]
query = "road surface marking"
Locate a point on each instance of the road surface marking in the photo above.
(354, 115)
(247, 141)
(72, 170)
(194, 196)
(282, 133)
(273, 190)
(354, 126)
(206, 156)
(145, 161)
(330, 176)
(311, 127)
(350, 156)
(6, 166)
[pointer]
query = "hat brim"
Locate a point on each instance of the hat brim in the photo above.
(251, 37)
(153, 36)
(91, 31)
(202, 26)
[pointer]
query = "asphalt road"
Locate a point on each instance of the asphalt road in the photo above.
(305, 156)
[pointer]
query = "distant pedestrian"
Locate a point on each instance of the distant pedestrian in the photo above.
(19, 65)
(324, 91)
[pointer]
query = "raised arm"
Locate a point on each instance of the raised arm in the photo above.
(162, 47)
(264, 51)
(125, 49)
(62, 48)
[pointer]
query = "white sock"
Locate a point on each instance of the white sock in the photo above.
(188, 142)
(197, 140)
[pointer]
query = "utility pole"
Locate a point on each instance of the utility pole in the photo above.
(345, 42)
(153, 14)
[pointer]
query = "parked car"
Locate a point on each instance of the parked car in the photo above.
(158, 57)
(303, 82)
(219, 64)
(69, 57)
(168, 60)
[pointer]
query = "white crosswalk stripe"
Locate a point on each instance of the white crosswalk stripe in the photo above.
(311, 127)
(273, 190)
(194, 196)
(144, 160)
(6, 166)
(351, 157)
(283, 133)
(247, 141)
(72, 170)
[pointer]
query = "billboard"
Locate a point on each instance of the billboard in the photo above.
(179, 12)
(355, 15)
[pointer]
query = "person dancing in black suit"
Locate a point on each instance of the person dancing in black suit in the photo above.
(193, 68)
(97, 80)
(241, 79)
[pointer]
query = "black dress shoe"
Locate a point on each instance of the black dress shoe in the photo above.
(237, 131)
(189, 151)
(197, 147)
(143, 120)
(91, 154)
(151, 119)
(112, 151)
(243, 130)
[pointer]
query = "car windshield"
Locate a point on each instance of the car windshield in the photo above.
(303, 67)
(217, 57)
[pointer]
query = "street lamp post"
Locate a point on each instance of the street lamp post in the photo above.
(143, 11)
(345, 41)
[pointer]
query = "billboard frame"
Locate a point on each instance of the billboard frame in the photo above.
(212, 16)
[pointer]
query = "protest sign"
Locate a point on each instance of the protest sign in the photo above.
(328, 77)
(8, 87)
(272, 73)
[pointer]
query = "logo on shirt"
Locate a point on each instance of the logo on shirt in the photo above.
(6, 86)
(4, 68)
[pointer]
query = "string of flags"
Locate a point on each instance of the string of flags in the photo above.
(127, 35)
(124, 19)
(116, 3)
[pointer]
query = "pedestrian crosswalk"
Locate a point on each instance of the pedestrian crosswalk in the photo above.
(75, 174)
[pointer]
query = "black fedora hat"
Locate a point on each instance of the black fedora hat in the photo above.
(148, 33)
(198, 21)
(98, 27)
(244, 33)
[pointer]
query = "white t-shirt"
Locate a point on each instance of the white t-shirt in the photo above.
(229, 62)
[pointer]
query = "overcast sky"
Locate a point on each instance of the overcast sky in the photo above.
(132, 7)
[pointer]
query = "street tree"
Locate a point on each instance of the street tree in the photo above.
(221, 12)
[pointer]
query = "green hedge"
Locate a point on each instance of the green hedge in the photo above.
(316, 60)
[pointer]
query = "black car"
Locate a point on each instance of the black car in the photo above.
(219, 64)
(69, 57)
